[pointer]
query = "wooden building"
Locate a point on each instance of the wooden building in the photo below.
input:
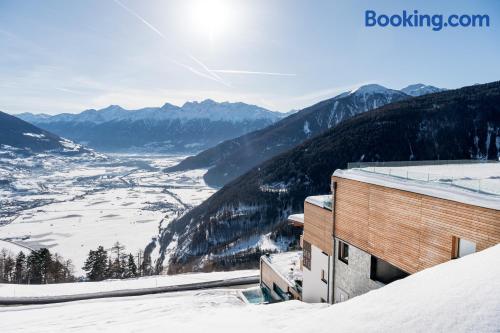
(382, 227)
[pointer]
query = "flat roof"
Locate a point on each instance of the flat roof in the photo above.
(297, 219)
(287, 264)
(323, 201)
(476, 184)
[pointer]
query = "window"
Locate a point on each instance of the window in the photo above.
(462, 247)
(280, 292)
(323, 276)
(384, 272)
(344, 252)
(307, 255)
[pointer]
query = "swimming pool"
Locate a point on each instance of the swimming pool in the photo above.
(257, 295)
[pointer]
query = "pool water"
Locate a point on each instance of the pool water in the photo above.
(257, 296)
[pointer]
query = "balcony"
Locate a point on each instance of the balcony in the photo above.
(282, 273)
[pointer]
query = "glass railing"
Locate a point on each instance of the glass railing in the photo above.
(488, 185)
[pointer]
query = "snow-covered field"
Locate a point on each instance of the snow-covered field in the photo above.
(73, 204)
(458, 296)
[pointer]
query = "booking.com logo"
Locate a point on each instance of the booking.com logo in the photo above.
(437, 21)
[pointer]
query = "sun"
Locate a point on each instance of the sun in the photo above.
(211, 18)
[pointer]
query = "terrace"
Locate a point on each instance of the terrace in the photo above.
(474, 175)
(281, 275)
(467, 181)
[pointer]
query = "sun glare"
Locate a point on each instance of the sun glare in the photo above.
(211, 17)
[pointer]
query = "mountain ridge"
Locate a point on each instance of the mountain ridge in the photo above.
(234, 157)
(168, 129)
(206, 109)
(20, 137)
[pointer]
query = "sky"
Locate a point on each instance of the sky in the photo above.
(67, 56)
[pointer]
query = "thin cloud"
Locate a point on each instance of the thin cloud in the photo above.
(234, 71)
(71, 91)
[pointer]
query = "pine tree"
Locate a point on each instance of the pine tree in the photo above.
(96, 264)
(20, 268)
(38, 264)
(9, 269)
(3, 259)
(130, 267)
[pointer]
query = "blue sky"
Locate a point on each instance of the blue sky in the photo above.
(66, 56)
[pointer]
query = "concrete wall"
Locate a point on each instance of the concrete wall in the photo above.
(352, 279)
(313, 288)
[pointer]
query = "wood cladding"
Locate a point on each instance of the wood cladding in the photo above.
(411, 231)
(318, 227)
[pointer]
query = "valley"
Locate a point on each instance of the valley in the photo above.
(72, 204)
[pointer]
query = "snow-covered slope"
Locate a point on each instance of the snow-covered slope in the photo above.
(420, 89)
(233, 158)
(18, 137)
(457, 296)
(457, 124)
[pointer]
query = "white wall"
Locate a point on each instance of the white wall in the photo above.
(313, 288)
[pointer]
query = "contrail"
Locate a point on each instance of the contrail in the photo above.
(208, 70)
(210, 75)
(207, 73)
(231, 71)
(197, 72)
(149, 25)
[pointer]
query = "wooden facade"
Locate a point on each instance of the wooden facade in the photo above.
(409, 230)
(318, 227)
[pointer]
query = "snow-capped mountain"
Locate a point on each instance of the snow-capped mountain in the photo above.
(207, 109)
(420, 89)
(192, 127)
(18, 137)
(233, 158)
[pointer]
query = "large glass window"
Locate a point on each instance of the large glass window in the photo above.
(464, 247)
(384, 272)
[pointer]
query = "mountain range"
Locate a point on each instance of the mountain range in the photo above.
(170, 129)
(234, 157)
(219, 234)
